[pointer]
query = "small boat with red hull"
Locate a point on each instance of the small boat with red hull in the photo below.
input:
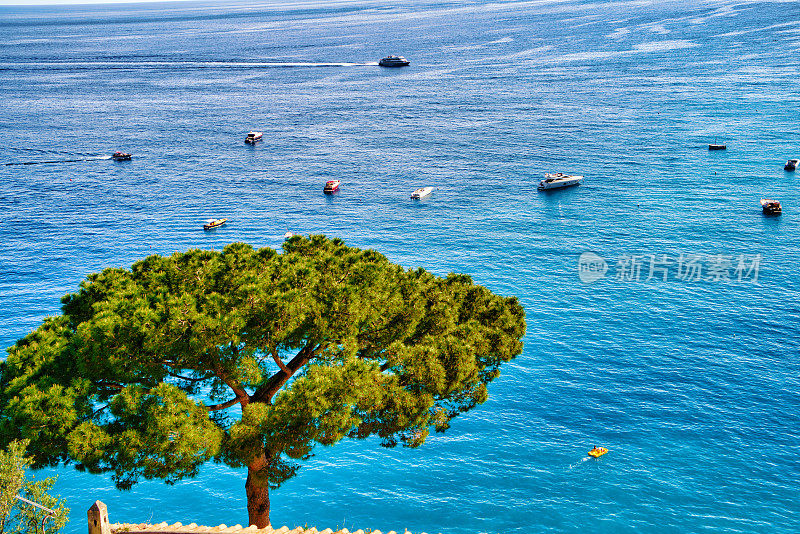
(332, 186)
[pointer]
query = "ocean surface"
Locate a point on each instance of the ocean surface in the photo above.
(676, 346)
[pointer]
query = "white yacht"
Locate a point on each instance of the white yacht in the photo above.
(253, 137)
(558, 180)
(422, 192)
(394, 61)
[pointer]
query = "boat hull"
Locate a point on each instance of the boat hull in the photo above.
(214, 224)
(770, 207)
(717, 147)
(559, 184)
(422, 193)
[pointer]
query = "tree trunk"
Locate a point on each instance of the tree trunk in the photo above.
(257, 490)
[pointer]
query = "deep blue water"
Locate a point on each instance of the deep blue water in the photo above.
(693, 385)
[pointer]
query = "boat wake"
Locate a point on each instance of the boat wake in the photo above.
(95, 158)
(579, 462)
(169, 65)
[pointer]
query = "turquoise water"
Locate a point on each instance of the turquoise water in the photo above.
(692, 384)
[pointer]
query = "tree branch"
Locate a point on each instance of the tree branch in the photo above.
(276, 381)
(280, 362)
(223, 406)
(241, 394)
(188, 378)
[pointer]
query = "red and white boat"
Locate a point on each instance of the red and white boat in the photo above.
(121, 156)
(331, 186)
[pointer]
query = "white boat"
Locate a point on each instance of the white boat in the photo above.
(558, 180)
(394, 61)
(253, 137)
(422, 192)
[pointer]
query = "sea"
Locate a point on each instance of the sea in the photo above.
(662, 306)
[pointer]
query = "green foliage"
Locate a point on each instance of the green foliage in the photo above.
(249, 354)
(17, 516)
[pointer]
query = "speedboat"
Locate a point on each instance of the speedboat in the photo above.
(597, 452)
(717, 147)
(214, 223)
(253, 137)
(394, 61)
(558, 180)
(791, 165)
(770, 207)
(121, 156)
(422, 192)
(331, 186)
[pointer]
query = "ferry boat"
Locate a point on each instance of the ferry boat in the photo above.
(791, 165)
(331, 186)
(770, 207)
(422, 192)
(558, 180)
(253, 137)
(121, 156)
(394, 61)
(214, 223)
(597, 452)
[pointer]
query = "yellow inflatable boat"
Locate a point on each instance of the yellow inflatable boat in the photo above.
(597, 452)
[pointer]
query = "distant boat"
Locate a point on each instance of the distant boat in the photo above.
(770, 207)
(253, 137)
(559, 180)
(214, 223)
(394, 61)
(717, 147)
(121, 156)
(289, 234)
(597, 452)
(331, 186)
(791, 165)
(422, 192)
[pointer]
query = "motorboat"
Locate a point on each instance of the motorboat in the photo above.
(394, 61)
(717, 147)
(558, 180)
(214, 223)
(791, 165)
(422, 192)
(597, 452)
(770, 207)
(289, 234)
(253, 137)
(331, 186)
(121, 156)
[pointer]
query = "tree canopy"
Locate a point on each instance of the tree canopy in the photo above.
(251, 357)
(19, 517)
